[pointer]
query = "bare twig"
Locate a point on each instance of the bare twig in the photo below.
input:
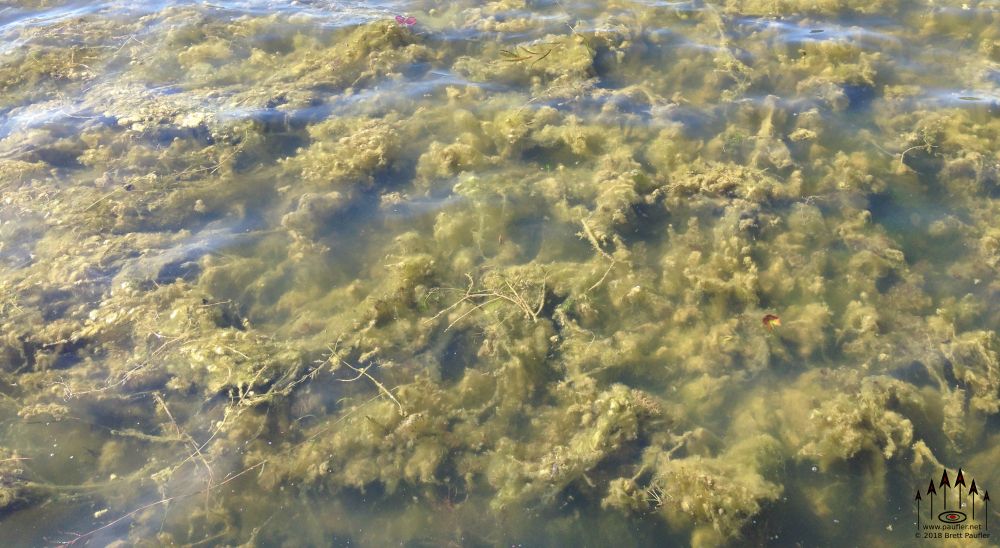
(505, 292)
(381, 387)
(597, 247)
(194, 445)
(77, 537)
(105, 197)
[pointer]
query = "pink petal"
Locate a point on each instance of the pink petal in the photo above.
(410, 21)
(400, 20)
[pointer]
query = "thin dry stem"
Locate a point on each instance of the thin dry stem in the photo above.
(507, 293)
(597, 247)
(364, 372)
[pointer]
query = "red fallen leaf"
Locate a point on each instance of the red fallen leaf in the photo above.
(771, 321)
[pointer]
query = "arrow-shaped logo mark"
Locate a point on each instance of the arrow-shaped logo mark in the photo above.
(944, 485)
(967, 492)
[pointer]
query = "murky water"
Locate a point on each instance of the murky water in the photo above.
(541, 273)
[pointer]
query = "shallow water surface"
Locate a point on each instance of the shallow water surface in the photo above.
(291, 273)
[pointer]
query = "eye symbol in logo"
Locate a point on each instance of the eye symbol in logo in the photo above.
(952, 517)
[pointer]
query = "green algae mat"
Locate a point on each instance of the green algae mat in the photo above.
(522, 272)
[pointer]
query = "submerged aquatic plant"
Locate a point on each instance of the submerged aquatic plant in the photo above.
(412, 290)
